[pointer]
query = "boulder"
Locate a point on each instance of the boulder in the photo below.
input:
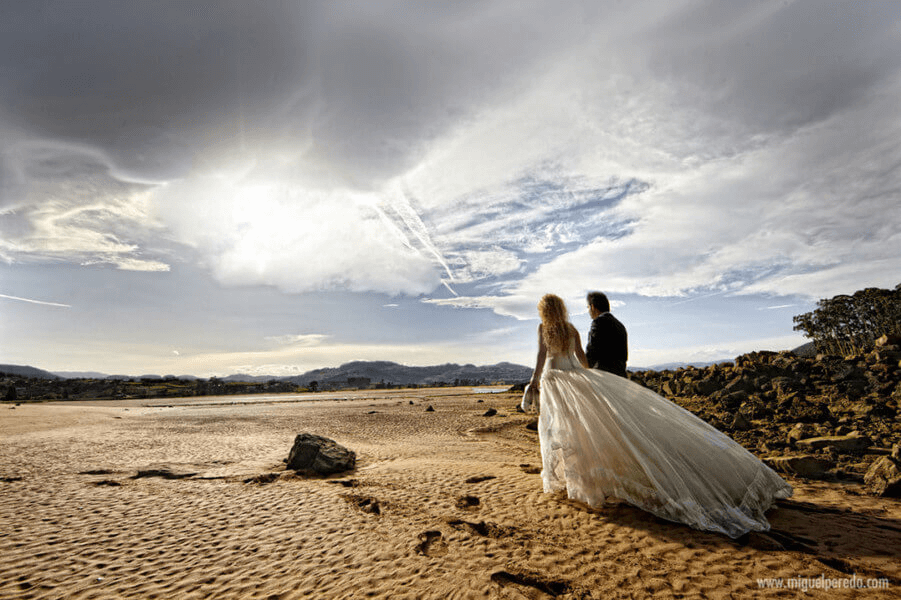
(705, 387)
(853, 442)
(809, 467)
(884, 477)
(320, 455)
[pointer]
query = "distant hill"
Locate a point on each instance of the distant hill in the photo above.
(672, 366)
(80, 375)
(22, 371)
(397, 374)
(376, 371)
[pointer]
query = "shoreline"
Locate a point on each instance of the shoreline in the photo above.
(442, 504)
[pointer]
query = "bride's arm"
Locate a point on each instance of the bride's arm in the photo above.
(539, 362)
(580, 353)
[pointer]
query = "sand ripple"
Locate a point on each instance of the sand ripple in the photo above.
(124, 501)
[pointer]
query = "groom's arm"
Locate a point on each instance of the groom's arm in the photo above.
(594, 338)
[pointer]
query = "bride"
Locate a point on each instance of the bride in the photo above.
(605, 436)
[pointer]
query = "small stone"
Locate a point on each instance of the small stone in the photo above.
(430, 409)
(798, 432)
(490, 412)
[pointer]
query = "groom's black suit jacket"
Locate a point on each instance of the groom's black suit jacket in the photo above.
(607, 348)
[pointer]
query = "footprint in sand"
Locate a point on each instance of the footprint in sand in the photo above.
(365, 503)
(349, 483)
(108, 482)
(530, 583)
(481, 528)
(480, 478)
(163, 473)
(468, 502)
(431, 544)
(263, 478)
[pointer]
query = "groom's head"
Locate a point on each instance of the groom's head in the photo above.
(598, 301)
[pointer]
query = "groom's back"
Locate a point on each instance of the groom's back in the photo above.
(608, 347)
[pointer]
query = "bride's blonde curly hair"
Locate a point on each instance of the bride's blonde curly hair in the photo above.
(555, 327)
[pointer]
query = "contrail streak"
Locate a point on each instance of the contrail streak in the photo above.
(35, 301)
(404, 210)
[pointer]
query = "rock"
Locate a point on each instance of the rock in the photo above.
(729, 400)
(809, 467)
(319, 454)
(705, 387)
(888, 340)
(896, 452)
(490, 412)
(852, 442)
(430, 409)
(799, 431)
(741, 422)
(754, 408)
(884, 477)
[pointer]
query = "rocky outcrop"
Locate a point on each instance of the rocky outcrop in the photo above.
(827, 416)
(317, 454)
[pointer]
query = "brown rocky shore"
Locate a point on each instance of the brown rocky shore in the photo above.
(823, 417)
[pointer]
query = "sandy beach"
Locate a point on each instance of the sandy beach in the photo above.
(189, 498)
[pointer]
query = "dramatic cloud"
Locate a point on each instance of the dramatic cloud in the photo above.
(476, 155)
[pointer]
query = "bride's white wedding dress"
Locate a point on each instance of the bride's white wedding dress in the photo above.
(605, 436)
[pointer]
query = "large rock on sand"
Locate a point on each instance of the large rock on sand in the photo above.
(320, 455)
(884, 477)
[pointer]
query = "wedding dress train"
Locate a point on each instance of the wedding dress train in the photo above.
(605, 436)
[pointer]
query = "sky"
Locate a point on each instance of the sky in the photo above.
(223, 187)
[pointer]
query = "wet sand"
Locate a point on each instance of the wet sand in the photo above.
(189, 499)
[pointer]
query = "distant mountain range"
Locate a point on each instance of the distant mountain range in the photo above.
(396, 374)
(376, 371)
(28, 372)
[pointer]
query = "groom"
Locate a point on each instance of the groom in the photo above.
(607, 341)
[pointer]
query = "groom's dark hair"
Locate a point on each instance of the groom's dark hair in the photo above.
(599, 301)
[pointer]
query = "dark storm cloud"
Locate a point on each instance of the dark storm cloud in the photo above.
(777, 65)
(161, 85)
(153, 84)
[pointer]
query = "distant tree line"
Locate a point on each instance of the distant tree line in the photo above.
(845, 325)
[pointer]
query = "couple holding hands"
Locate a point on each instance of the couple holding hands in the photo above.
(605, 437)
